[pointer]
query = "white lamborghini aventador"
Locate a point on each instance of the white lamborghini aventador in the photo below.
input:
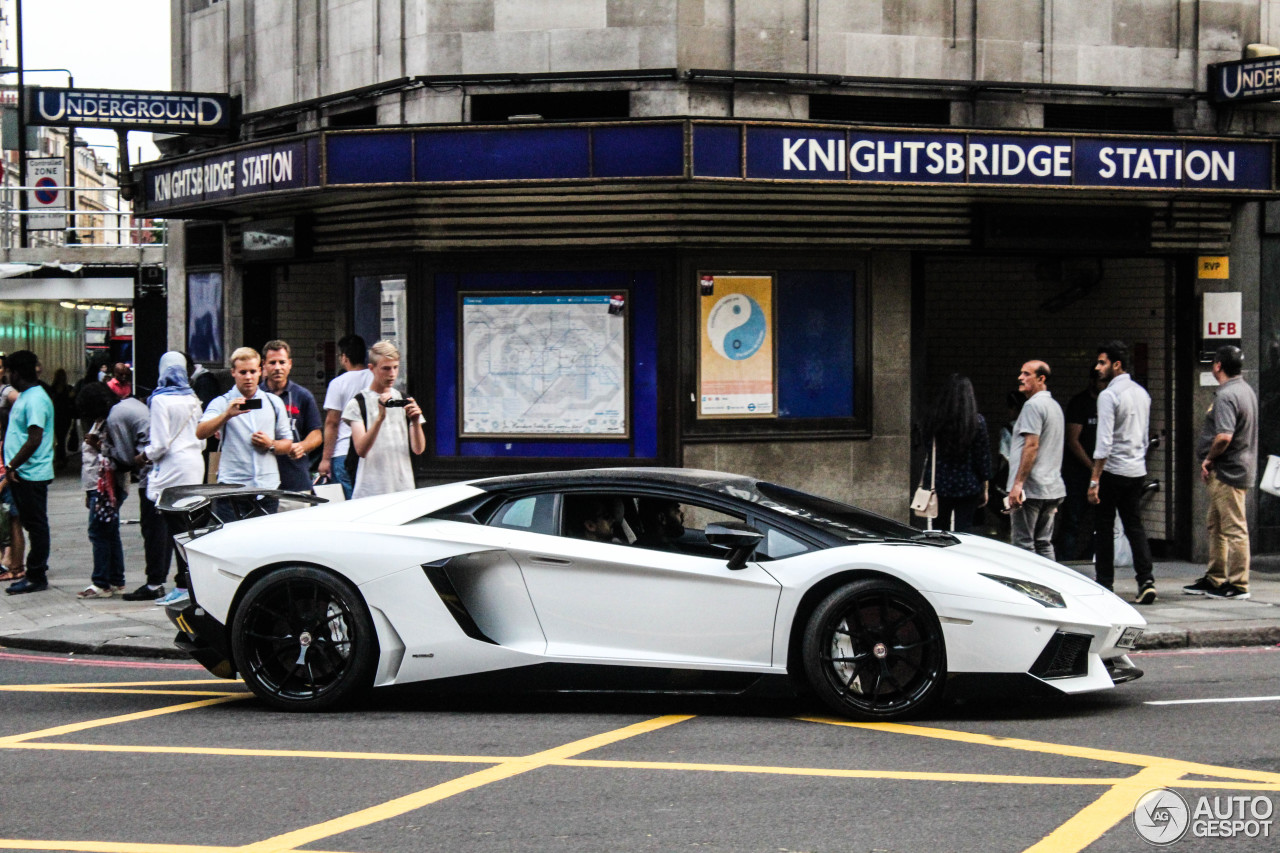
(636, 578)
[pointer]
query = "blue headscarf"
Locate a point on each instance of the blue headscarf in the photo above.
(173, 376)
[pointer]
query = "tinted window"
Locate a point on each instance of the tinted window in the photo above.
(535, 514)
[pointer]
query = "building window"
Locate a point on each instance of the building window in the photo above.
(1095, 117)
(362, 117)
(381, 314)
(934, 111)
(551, 106)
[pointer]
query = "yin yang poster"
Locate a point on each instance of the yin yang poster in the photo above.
(735, 365)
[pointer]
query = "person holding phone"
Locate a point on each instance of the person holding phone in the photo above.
(252, 425)
(384, 427)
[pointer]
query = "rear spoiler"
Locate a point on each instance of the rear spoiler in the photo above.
(202, 509)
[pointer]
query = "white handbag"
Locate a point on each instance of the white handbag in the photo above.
(925, 501)
(1271, 477)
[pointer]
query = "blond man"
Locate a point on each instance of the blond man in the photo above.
(385, 426)
(252, 424)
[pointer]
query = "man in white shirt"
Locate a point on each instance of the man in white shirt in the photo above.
(384, 427)
(253, 424)
(1120, 469)
(337, 434)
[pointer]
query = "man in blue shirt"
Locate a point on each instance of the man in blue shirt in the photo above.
(28, 459)
(304, 417)
(253, 434)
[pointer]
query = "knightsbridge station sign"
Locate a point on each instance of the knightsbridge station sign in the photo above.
(175, 112)
(708, 150)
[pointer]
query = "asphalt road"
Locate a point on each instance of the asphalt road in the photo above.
(124, 756)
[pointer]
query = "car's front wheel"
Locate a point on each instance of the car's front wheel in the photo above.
(303, 640)
(873, 650)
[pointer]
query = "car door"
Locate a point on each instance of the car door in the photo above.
(624, 602)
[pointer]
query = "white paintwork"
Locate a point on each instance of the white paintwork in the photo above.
(543, 598)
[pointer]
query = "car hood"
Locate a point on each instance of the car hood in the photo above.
(1009, 561)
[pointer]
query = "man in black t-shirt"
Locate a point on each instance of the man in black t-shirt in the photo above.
(1075, 518)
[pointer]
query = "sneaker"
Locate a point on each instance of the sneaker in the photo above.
(177, 595)
(1200, 587)
(92, 591)
(143, 593)
(1146, 595)
(26, 585)
(1229, 591)
(118, 589)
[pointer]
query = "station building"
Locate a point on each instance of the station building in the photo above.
(750, 236)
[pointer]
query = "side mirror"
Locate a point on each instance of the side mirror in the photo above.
(741, 540)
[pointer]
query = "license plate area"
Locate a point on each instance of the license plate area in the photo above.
(1128, 638)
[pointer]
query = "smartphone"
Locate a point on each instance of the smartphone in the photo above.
(1008, 507)
(396, 404)
(255, 403)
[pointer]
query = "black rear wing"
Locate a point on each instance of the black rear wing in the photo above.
(202, 509)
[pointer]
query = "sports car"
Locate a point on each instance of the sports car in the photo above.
(645, 579)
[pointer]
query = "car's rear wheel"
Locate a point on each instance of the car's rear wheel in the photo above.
(873, 650)
(303, 640)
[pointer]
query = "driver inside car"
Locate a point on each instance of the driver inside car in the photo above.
(599, 519)
(661, 523)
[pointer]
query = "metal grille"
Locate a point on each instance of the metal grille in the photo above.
(1065, 656)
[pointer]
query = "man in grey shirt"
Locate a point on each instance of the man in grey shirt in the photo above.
(1228, 453)
(1036, 487)
(1120, 469)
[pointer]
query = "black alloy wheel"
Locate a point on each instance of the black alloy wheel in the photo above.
(303, 640)
(873, 650)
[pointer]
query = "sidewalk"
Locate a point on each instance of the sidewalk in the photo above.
(57, 621)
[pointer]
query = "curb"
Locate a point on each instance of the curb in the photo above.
(156, 650)
(1200, 638)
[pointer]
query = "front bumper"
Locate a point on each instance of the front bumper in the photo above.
(202, 637)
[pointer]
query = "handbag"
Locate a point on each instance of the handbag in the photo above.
(924, 504)
(1271, 477)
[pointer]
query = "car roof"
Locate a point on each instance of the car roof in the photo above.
(606, 477)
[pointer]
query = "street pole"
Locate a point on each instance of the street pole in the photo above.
(22, 137)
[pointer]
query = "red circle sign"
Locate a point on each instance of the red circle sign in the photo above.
(45, 195)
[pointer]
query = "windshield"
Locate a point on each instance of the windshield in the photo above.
(833, 517)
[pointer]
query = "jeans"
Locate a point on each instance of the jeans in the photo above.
(962, 509)
(108, 552)
(1032, 525)
(32, 500)
(1120, 495)
(343, 476)
(157, 542)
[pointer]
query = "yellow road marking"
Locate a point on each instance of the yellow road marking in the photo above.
(1092, 822)
(1068, 750)
(58, 686)
(123, 718)
(137, 691)
(79, 846)
(401, 805)
(237, 752)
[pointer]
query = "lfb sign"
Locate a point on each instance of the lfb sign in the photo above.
(1223, 316)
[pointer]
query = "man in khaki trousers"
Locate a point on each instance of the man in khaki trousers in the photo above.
(1228, 452)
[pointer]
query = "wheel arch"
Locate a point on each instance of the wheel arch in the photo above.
(814, 595)
(247, 582)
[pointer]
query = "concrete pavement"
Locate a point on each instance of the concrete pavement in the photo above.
(56, 620)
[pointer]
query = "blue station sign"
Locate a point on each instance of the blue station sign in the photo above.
(1245, 80)
(174, 112)
(709, 150)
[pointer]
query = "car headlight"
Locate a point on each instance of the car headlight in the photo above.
(1037, 592)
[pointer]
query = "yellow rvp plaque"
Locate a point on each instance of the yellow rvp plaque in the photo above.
(1212, 266)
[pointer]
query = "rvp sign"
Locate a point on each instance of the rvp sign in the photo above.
(1223, 316)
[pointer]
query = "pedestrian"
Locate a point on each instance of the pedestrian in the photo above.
(13, 568)
(121, 381)
(1228, 453)
(957, 434)
(174, 453)
(251, 424)
(1074, 527)
(337, 433)
(64, 412)
(304, 417)
(28, 460)
(104, 492)
(1120, 469)
(384, 426)
(1035, 459)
